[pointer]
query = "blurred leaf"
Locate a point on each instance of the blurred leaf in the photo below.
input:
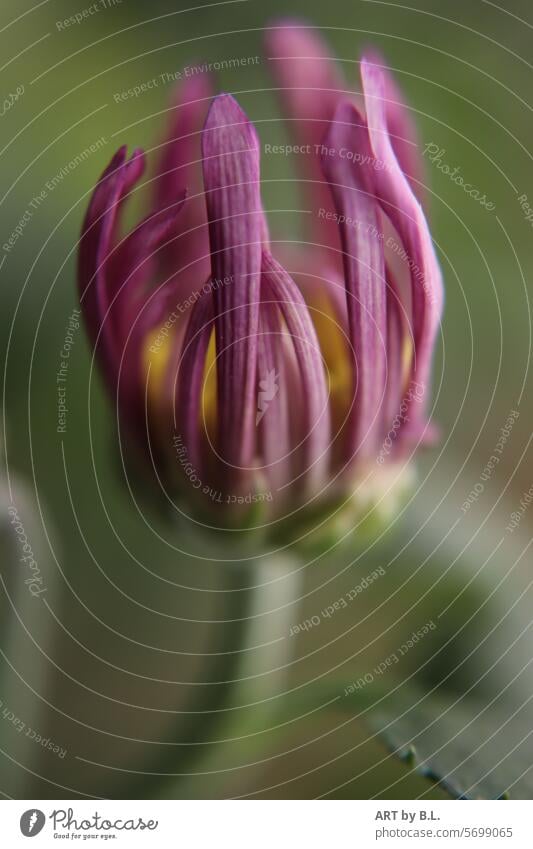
(473, 750)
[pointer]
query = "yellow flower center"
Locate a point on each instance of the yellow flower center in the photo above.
(154, 369)
(336, 354)
(334, 347)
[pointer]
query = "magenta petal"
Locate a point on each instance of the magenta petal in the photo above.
(396, 322)
(179, 166)
(314, 415)
(186, 374)
(310, 88)
(132, 263)
(231, 176)
(364, 268)
(179, 171)
(272, 414)
(96, 243)
(401, 127)
(133, 171)
(405, 213)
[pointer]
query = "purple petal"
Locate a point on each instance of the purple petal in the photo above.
(137, 310)
(364, 268)
(314, 415)
(395, 341)
(310, 88)
(96, 242)
(179, 166)
(272, 415)
(132, 264)
(179, 171)
(231, 175)
(402, 129)
(406, 215)
(186, 374)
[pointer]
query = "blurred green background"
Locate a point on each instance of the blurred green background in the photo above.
(123, 664)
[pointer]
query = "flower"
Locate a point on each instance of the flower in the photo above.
(246, 370)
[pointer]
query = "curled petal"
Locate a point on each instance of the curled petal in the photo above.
(401, 206)
(132, 262)
(136, 310)
(364, 268)
(134, 168)
(96, 243)
(314, 415)
(402, 129)
(231, 176)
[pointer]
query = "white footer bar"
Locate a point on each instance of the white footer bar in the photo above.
(266, 824)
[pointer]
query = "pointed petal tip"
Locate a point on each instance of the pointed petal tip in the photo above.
(372, 70)
(226, 123)
(133, 167)
(345, 112)
(121, 156)
(370, 55)
(223, 110)
(291, 25)
(282, 21)
(285, 23)
(192, 90)
(297, 38)
(122, 153)
(117, 161)
(346, 125)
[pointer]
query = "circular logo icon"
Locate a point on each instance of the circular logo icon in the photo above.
(32, 822)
